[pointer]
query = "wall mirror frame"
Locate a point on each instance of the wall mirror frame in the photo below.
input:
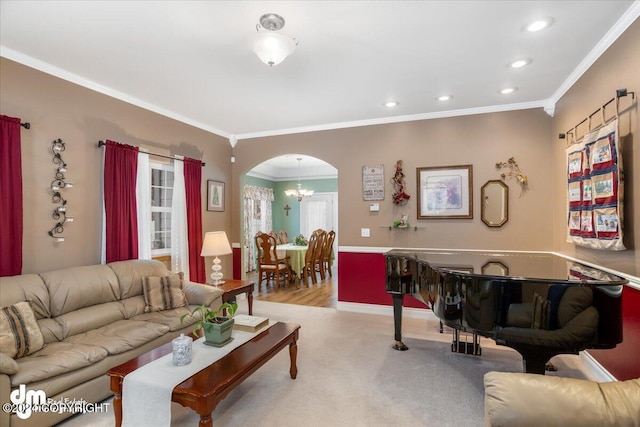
(494, 210)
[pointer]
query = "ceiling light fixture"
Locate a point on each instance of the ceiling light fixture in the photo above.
(271, 47)
(508, 90)
(539, 24)
(299, 192)
(520, 63)
(391, 104)
(444, 98)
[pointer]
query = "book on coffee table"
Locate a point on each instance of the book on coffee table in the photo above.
(244, 322)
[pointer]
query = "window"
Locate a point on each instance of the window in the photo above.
(161, 195)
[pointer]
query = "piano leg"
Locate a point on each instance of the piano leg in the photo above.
(397, 322)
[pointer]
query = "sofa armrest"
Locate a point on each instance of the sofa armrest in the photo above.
(198, 294)
(523, 400)
(8, 366)
(5, 391)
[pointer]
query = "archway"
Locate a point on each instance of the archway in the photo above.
(271, 178)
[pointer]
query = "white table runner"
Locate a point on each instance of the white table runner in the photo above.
(146, 392)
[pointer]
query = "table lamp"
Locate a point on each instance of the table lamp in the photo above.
(216, 243)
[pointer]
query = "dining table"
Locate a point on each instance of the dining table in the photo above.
(296, 256)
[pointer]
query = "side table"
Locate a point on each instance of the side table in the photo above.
(232, 287)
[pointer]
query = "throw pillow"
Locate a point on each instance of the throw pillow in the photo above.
(163, 293)
(19, 331)
(541, 312)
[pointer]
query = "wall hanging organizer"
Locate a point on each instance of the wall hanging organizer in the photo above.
(57, 185)
(595, 181)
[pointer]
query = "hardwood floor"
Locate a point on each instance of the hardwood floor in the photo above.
(322, 294)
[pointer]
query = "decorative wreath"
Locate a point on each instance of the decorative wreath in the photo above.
(400, 197)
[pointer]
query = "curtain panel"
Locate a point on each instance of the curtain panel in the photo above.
(257, 217)
(193, 195)
(11, 226)
(121, 223)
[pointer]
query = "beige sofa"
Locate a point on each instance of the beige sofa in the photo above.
(531, 400)
(91, 318)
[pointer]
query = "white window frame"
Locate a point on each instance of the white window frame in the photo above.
(167, 167)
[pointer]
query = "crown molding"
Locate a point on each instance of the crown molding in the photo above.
(47, 68)
(611, 36)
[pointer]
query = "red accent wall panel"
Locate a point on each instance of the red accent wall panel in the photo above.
(362, 277)
(237, 263)
(622, 361)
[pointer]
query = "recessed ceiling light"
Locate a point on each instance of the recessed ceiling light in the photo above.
(520, 63)
(391, 104)
(444, 98)
(539, 24)
(508, 90)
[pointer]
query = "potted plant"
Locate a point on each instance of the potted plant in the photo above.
(216, 325)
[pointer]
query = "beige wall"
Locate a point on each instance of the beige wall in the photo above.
(81, 117)
(618, 68)
(479, 140)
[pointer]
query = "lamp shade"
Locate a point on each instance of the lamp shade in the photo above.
(215, 243)
(272, 48)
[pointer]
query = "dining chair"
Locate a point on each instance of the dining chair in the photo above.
(284, 237)
(269, 263)
(275, 236)
(327, 252)
(258, 257)
(317, 252)
(309, 262)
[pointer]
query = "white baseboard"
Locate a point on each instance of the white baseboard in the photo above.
(595, 368)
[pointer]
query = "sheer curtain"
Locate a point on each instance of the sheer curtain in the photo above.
(143, 195)
(120, 206)
(11, 226)
(179, 233)
(257, 217)
(193, 197)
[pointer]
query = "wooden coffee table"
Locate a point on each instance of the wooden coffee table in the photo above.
(204, 390)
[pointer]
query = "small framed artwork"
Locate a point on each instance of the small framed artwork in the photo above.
(445, 192)
(215, 196)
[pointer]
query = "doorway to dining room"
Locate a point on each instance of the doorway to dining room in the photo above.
(267, 208)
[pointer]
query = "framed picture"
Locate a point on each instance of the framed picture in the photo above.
(445, 192)
(215, 196)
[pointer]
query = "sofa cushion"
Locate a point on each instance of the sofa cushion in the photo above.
(88, 318)
(55, 359)
(130, 274)
(8, 366)
(26, 287)
(163, 293)
(78, 287)
(170, 318)
(19, 332)
(120, 336)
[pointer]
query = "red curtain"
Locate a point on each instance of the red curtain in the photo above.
(193, 193)
(120, 171)
(10, 197)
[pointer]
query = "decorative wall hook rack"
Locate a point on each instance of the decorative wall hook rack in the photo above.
(59, 183)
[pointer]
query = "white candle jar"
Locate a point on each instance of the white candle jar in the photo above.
(182, 348)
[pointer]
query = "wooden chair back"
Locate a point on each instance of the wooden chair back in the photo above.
(275, 236)
(266, 245)
(284, 237)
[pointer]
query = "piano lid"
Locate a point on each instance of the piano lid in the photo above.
(530, 266)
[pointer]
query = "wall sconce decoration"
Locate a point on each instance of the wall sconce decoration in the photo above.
(59, 182)
(513, 170)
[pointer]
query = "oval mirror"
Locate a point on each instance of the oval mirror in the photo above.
(495, 203)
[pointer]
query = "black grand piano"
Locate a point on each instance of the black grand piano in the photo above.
(539, 304)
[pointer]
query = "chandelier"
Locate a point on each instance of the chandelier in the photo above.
(271, 47)
(299, 192)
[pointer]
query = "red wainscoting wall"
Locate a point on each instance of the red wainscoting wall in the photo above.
(361, 279)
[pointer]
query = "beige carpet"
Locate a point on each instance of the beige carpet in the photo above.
(348, 375)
